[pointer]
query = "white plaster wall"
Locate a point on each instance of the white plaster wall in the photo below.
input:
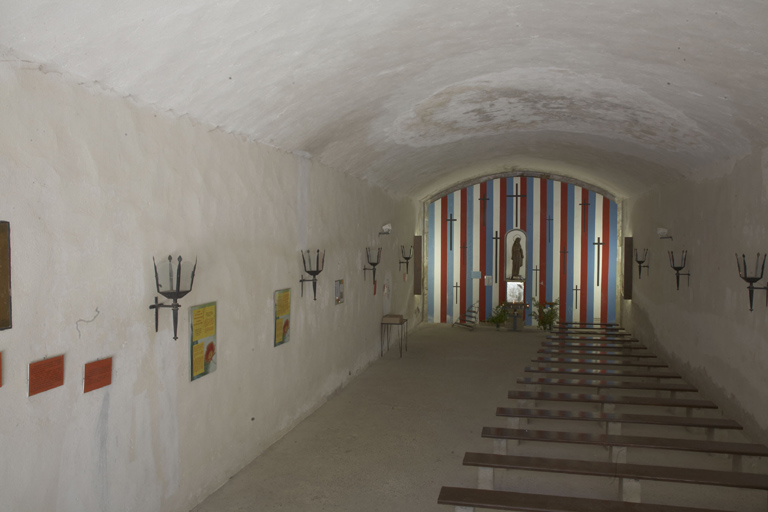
(706, 329)
(94, 187)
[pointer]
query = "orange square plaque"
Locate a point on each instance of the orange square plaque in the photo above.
(97, 374)
(46, 374)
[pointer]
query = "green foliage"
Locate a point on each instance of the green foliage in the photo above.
(499, 315)
(545, 313)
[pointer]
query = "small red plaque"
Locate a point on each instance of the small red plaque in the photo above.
(97, 375)
(46, 374)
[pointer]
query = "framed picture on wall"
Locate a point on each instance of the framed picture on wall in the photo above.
(5, 275)
(282, 316)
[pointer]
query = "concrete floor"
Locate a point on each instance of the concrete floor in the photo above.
(398, 432)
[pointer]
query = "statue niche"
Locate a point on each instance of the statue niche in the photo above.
(515, 244)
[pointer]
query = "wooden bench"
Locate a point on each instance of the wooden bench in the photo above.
(615, 339)
(609, 400)
(614, 420)
(596, 353)
(628, 475)
(594, 344)
(610, 384)
(467, 500)
(599, 362)
(603, 373)
(589, 330)
(582, 324)
(617, 444)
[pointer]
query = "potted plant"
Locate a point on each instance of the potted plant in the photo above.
(499, 315)
(545, 313)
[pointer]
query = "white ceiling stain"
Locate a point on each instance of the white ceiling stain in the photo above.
(415, 96)
(547, 99)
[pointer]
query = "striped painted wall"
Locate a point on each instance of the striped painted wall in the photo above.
(562, 222)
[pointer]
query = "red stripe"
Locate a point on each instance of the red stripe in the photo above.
(605, 260)
(563, 243)
(443, 258)
(502, 242)
(463, 257)
(483, 238)
(543, 241)
(584, 256)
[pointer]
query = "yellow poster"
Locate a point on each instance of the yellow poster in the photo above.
(198, 359)
(204, 322)
(282, 316)
(202, 330)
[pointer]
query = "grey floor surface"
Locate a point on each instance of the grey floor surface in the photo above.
(398, 432)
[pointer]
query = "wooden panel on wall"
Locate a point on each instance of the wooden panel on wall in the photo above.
(5, 275)
(627, 255)
(418, 265)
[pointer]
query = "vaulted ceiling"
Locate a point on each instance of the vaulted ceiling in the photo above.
(417, 95)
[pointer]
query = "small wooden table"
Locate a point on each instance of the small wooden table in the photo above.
(386, 325)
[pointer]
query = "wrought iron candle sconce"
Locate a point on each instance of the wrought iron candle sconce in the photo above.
(680, 267)
(406, 258)
(319, 264)
(173, 290)
(751, 280)
(640, 263)
(373, 265)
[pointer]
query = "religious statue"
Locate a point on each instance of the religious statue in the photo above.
(517, 257)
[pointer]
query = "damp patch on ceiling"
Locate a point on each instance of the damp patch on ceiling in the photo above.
(547, 99)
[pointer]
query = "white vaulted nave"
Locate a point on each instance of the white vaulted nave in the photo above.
(248, 136)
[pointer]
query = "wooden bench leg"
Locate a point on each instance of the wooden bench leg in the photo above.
(484, 478)
(629, 490)
(618, 454)
(500, 446)
(517, 423)
(526, 404)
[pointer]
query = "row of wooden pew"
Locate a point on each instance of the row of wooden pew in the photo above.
(600, 357)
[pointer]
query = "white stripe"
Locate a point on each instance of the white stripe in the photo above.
(555, 245)
(495, 258)
(456, 198)
(598, 223)
(576, 256)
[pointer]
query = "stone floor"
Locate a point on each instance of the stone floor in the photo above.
(393, 436)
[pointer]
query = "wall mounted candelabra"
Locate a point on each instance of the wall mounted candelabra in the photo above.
(751, 280)
(373, 264)
(313, 273)
(678, 267)
(406, 259)
(640, 263)
(173, 289)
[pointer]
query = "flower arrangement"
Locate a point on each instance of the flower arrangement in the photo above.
(545, 313)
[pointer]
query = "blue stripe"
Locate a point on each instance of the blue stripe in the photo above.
(431, 281)
(510, 204)
(612, 261)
